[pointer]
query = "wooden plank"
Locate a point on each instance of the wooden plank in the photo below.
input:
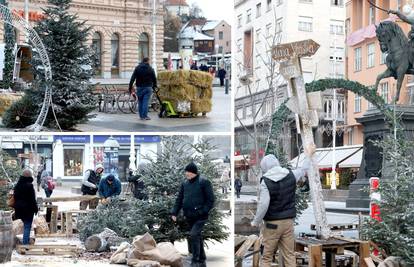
(330, 258)
(363, 253)
(69, 226)
(68, 199)
(246, 246)
(256, 256)
(315, 256)
(368, 261)
(47, 246)
(51, 235)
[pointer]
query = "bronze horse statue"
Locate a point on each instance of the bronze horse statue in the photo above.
(400, 50)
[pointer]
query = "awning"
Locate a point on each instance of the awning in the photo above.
(324, 156)
(352, 162)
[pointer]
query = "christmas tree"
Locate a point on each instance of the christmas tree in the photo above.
(162, 177)
(10, 40)
(395, 231)
(65, 39)
(9, 173)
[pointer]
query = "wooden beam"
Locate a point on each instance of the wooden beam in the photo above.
(368, 261)
(53, 220)
(363, 253)
(68, 199)
(256, 256)
(246, 246)
(315, 255)
(69, 226)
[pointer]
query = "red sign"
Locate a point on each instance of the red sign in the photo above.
(374, 212)
(373, 183)
(33, 15)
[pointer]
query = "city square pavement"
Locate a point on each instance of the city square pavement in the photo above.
(218, 120)
(218, 254)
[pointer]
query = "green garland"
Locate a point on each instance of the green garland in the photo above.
(282, 114)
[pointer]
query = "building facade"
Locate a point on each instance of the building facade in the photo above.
(177, 7)
(259, 89)
(221, 32)
(365, 61)
(122, 32)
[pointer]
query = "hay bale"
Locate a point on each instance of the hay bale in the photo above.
(40, 226)
(187, 85)
(6, 100)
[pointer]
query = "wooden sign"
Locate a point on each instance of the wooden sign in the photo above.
(299, 49)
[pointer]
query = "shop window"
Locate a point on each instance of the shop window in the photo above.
(115, 55)
(73, 161)
(143, 46)
(97, 48)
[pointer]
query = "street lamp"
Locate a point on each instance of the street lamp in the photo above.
(154, 33)
(217, 48)
(111, 147)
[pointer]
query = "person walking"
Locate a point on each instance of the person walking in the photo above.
(237, 186)
(25, 205)
(196, 199)
(89, 187)
(276, 207)
(145, 80)
(222, 75)
(138, 185)
(109, 187)
(47, 183)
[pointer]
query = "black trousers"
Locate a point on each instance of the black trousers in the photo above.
(221, 81)
(195, 240)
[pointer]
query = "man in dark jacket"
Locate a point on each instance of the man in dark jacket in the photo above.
(145, 79)
(196, 198)
(137, 182)
(109, 187)
(238, 185)
(276, 207)
(25, 202)
(89, 187)
(222, 74)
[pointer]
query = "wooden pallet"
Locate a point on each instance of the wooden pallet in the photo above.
(72, 250)
(339, 226)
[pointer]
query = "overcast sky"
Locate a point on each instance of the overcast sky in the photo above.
(216, 9)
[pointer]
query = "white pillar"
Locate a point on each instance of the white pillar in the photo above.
(58, 163)
(154, 33)
(132, 158)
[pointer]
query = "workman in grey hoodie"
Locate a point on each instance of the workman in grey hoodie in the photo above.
(276, 207)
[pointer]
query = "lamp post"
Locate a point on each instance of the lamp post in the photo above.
(111, 147)
(154, 33)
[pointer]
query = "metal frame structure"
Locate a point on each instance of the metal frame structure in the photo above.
(12, 18)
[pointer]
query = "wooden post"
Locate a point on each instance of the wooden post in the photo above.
(62, 222)
(69, 227)
(256, 256)
(330, 258)
(53, 219)
(363, 253)
(315, 255)
(291, 70)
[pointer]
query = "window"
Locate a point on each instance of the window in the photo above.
(268, 30)
(383, 58)
(351, 136)
(371, 55)
(258, 61)
(358, 59)
(258, 32)
(73, 161)
(411, 92)
(384, 91)
(279, 25)
(248, 15)
(115, 54)
(305, 24)
(258, 10)
(239, 45)
(279, 2)
(221, 35)
(248, 51)
(239, 20)
(371, 16)
(399, 5)
(338, 3)
(220, 50)
(240, 113)
(357, 103)
(97, 48)
(143, 46)
(337, 27)
(249, 111)
(328, 108)
(269, 5)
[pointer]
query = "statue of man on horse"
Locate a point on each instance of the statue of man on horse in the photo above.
(398, 47)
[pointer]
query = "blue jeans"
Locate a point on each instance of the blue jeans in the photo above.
(144, 96)
(48, 192)
(27, 225)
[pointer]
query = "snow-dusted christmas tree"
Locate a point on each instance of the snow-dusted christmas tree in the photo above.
(395, 231)
(65, 40)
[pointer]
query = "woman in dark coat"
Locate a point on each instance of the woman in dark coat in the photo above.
(25, 202)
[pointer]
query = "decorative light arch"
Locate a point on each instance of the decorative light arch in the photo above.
(12, 18)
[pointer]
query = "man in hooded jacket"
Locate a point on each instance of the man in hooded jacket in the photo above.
(25, 205)
(90, 184)
(276, 207)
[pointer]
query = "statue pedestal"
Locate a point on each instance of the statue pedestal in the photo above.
(376, 128)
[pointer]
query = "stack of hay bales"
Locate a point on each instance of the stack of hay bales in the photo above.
(189, 91)
(6, 100)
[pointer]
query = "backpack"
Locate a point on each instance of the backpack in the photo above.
(50, 184)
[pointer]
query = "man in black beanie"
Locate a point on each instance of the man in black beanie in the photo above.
(196, 198)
